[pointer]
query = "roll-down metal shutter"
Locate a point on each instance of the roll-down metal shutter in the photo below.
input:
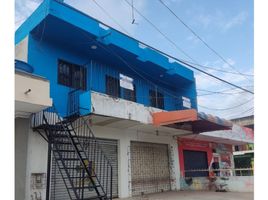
(149, 168)
(58, 190)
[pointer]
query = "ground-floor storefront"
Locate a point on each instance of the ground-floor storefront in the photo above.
(208, 165)
(145, 159)
(143, 162)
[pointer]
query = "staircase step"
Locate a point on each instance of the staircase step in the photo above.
(77, 177)
(61, 142)
(85, 187)
(74, 168)
(64, 135)
(67, 150)
(67, 158)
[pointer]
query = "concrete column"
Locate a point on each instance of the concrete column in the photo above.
(174, 145)
(36, 164)
(123, 176)
(21, 140)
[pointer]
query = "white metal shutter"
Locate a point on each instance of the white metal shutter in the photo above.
(149, 168)
(110, 148)
(58, 190)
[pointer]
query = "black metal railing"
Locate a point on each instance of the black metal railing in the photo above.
(84, 168)
(100, 163)
(73, 102)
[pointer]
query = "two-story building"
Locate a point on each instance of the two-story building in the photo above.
(107, 133)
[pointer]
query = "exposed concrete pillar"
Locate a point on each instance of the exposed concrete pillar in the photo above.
(123, 176)
(21, 140)
(176, 166)
(36, 166)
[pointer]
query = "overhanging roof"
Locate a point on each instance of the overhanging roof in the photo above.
(191, 120)
(52, 20)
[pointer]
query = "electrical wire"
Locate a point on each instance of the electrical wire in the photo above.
(127, 64)
(117, 23)
(220, 93)
(230, 108)
(153, 83)
(242, 113)
(159, 31)
(116, 56)
(219, 70)
(202, 40)
(183, 62)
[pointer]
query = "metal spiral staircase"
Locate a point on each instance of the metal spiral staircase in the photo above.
(84, 168)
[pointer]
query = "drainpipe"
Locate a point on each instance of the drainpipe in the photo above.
(48, 169)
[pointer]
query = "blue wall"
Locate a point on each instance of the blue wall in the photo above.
(44, 55)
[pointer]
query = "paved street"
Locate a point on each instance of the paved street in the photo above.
(196, 195)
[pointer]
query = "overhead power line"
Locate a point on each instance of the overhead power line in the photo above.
(131, 67)
(229, 108)
(105, 11)
(202, 40)
(159, 31)
(179, 60)
(118, 24)
(219, 70)
(220, 79)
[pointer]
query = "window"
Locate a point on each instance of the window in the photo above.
(129, 94)
(71, 75)
(194, 160)
(156, 99)
(112, 86)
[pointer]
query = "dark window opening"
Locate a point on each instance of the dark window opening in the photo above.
(156, 99)
(112, 86)
(195, 161)
(71, 75)
(129, 94)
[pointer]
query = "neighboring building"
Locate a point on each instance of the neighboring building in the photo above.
(210, 154)
(30, 148)
(244, 154)
(107, 133)
(247, 121)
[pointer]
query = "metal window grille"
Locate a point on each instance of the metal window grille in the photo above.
(112, 86)
(71, 75)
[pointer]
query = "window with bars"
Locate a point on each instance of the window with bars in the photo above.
(112, 86)
(71, 75)
(156, 99)
(129, 94)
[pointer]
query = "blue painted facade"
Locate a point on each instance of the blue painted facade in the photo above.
(57, 31)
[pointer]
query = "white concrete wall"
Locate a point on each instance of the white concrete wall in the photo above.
(237, 134)
(30, 157)
(124, 137)
(103, 104)
(34, 101)
(36, 163)
(234, 184)
(21, 50)
(241, 183)
(21, 141)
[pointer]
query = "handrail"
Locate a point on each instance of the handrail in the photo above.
(50, 117)
(81, 122)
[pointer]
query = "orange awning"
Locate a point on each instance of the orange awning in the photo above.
(191, 120)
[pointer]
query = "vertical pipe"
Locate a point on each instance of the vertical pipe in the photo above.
(91, 75)
(111, 183)
(48, 169)
(156, 96)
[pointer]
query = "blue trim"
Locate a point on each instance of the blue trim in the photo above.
(23, 66)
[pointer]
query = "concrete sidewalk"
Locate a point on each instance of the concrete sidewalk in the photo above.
(195, 195)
